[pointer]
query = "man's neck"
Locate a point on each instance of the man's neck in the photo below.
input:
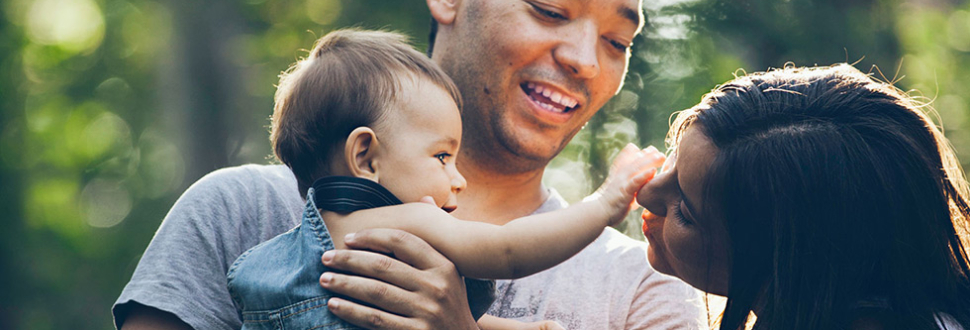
(498, 198)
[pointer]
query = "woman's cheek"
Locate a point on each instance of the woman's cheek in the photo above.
(685, 247)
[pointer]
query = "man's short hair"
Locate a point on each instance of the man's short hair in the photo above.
(349, 79)
(432, 36)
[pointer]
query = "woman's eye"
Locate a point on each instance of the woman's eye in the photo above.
(678, 215)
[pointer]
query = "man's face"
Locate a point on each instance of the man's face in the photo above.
(532, 72)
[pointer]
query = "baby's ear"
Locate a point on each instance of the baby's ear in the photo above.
(360, 153)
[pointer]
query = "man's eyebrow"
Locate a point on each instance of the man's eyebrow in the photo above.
(630, 14)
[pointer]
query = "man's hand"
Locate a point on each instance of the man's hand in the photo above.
(420, 289)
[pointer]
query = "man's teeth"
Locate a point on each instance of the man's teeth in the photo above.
(559, 98)
(549, 107)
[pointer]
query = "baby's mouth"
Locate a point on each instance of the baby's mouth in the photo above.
(548, 98)
(449, 208)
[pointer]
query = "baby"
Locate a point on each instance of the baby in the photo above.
(366, 122)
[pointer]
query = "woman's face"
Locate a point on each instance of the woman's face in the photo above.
(685, 241)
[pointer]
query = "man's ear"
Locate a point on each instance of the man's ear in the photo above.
(361, 152)
(443, 11)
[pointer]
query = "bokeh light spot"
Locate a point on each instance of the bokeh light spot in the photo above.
(959, 30)
(42, 112)
(323, 12)
(104, 134)
(51, 204)
(952, 110)
(162, 164)
(73, 25)
(105, 203)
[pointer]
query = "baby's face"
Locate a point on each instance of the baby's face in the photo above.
(419, 142)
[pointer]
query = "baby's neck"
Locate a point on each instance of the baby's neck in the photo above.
(337, 226)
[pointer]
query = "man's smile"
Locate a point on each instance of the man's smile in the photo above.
(549, 97)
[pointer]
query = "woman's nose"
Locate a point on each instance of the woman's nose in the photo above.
(650, 195)
(657, 193)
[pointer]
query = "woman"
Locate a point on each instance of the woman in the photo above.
(817, 198)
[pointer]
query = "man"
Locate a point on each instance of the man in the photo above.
(531, 72)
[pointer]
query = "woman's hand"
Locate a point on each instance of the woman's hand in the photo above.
(409, 284)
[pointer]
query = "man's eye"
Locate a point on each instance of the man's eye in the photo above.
(548, 13)
(618, 45)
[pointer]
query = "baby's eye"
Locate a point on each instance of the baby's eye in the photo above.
(442, 157)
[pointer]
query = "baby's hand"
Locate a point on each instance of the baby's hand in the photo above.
(488, 322)
(631, 169)
(544, 325)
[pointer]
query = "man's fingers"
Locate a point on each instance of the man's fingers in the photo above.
(400, 244)
(372, 265)
(367, 317)
(390, 298)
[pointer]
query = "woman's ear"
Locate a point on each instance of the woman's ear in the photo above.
(443, 11)
(361, 153)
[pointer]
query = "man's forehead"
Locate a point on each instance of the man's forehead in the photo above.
(628, 10)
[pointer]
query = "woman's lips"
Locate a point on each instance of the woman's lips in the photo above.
(649, 221)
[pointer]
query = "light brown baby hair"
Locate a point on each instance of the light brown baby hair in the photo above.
(349, 80)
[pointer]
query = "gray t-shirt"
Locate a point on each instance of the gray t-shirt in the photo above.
(609, 285)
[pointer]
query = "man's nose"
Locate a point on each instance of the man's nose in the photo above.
(577, 52)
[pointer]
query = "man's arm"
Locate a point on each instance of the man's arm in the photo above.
(420, 289)
(183, 269)
(141, 317)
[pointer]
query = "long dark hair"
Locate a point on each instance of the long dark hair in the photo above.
(841, 198)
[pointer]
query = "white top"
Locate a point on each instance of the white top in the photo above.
(609, 285)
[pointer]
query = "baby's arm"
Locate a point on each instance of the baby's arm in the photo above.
(488, 322)
(530, 244)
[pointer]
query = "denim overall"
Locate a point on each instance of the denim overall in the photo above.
(275, 285)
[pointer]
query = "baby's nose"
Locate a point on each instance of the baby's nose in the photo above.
(458, 183)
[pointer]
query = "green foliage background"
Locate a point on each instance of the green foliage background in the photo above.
(109, 109)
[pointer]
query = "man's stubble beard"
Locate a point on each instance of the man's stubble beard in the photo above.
(488, 141)
(496, 148)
